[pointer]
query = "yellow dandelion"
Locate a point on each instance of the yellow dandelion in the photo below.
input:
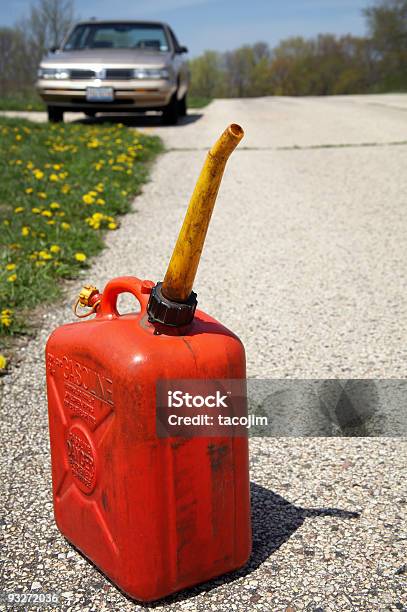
(42, 195)
(65, 226)
(18, 209)
(44, 255)
(12, 278)
(11, 266)
(54, 177)
(46, 213)
(80, 257)
(54, 248)
(100, 201)
(36, 210)
(88, 199)
(29, 190)
(54, 205)
(93, 143)
(25, 230)
(112, 225)
(5, 320)
(38, 174)
(3, 362)
(40, 263)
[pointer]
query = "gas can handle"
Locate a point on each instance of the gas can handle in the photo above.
(141, 290)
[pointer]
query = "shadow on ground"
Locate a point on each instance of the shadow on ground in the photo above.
(134, 120)
(274, 521)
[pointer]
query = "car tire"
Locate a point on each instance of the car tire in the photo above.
(170, 112)
(55, 114)
(182, 106)
(91, 114)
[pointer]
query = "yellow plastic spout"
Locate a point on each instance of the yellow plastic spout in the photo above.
(180, 275)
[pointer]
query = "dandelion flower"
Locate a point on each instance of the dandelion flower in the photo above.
(38, 174)
(11, 266)
(80, 257)
(3, 362)
(5, 319)
(88, 199)
(12, 278)
(65, 226)
(25, 230)
(18, 209)
(54, 205)
(112, 225)
(44, 255)
(54, 248)
(29, 190)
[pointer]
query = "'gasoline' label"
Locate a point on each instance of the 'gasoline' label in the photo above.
(81, 457)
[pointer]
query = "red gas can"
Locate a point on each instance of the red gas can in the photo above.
(155, 514)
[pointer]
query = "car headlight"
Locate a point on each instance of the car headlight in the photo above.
(53, 73)
(151, 73)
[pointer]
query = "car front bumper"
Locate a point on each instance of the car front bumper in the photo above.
(128, 95)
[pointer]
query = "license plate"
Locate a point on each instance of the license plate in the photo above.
(100, 94)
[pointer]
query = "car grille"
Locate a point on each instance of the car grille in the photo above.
(82, 74)
(109, 74)
(119, 73)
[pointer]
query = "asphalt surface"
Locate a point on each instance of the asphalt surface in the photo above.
(305, 260)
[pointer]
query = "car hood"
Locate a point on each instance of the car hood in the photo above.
(106, 58)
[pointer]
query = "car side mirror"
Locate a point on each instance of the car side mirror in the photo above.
(182, 49)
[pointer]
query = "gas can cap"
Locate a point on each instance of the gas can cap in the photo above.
(168, 312)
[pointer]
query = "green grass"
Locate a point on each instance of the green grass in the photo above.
(62, 186)
(23, 102)
(198, 101)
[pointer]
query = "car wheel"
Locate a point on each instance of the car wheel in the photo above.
(170, 112)
(55, 114)
(90, 114)
(182, 106)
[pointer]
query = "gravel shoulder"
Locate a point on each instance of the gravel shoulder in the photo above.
(305, 261)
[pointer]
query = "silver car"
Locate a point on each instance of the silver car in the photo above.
(116, 66)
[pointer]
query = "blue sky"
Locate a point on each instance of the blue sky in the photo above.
(222, 24)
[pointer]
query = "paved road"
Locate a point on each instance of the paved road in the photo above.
(305, 260)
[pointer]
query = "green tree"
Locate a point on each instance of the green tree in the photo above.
(387, 25)
(207, 76)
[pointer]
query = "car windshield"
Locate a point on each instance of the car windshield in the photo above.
(145, 37)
